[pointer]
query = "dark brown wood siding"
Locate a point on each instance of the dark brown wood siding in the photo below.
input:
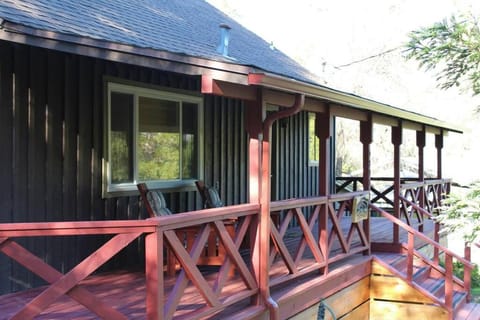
(51, 134)
(292, 176)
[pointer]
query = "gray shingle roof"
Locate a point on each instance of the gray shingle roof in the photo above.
(189, 27)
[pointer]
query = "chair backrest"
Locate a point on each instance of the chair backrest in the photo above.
(210, 196)
(154, 201)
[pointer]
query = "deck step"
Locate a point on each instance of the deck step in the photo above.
(469, 311)
(421, 274)
(434, 285)
(251, 312)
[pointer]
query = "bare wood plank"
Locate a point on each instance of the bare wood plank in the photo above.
(393, 288)
(360, 313)
(396, 310)
(349, 298)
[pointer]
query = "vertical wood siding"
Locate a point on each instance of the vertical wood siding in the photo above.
(51, 134)
(292, 176)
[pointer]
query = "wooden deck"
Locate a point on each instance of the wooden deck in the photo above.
(126, 290)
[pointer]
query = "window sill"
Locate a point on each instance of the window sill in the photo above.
(126, 190)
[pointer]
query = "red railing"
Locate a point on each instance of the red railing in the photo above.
(451, 282)
(381, 188)
(321, 221)
(211, 289)
(124, 232)
(160, 231)
(427, 195)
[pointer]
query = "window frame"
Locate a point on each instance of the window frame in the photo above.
(137, 90)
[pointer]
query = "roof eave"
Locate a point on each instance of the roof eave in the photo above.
(273, 81)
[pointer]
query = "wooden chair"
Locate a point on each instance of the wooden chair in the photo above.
(210, 197)
(212, 255)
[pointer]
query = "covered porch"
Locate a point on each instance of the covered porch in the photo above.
(326, 251)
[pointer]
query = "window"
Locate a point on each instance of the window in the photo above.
(152, 136)
(313, 141)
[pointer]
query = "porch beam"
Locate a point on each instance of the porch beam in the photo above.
(228, 89)
(396, 141)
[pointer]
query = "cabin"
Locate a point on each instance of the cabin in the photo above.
(99, 96)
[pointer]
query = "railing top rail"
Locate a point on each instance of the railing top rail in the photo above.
(377, 178)
(65, 228)
(305, 202)
(421, 235)
(417, 207)
(410, 185)
(346, 196)
(297, 202)
(22, 229)
(193, 218)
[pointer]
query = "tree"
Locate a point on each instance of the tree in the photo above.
(453, 46)
(462, 213)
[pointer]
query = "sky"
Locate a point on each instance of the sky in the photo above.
(358, 47)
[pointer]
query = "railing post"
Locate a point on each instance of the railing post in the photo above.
(411, 247)
(467, 273)
(154, 275)
(397, 141)
(449, 282)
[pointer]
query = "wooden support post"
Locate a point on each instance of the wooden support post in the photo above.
(397, 141)
(366, 129)
(253, 126)
(323, 130)
(439, 146)
(421, 171)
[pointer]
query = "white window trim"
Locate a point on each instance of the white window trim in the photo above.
(110, 189)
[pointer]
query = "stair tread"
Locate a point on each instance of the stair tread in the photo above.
(469, 311)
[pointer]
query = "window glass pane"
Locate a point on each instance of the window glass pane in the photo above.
(158, 139)
(190, 140)
(121, 137)
(313, 142)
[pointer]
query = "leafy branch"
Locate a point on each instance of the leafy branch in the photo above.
(453, 46)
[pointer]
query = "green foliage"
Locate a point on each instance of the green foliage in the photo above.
(451, 45)
(158, 156)
(461, 213)
(458, 272)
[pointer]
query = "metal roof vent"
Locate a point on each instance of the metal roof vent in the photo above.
(224, 39)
